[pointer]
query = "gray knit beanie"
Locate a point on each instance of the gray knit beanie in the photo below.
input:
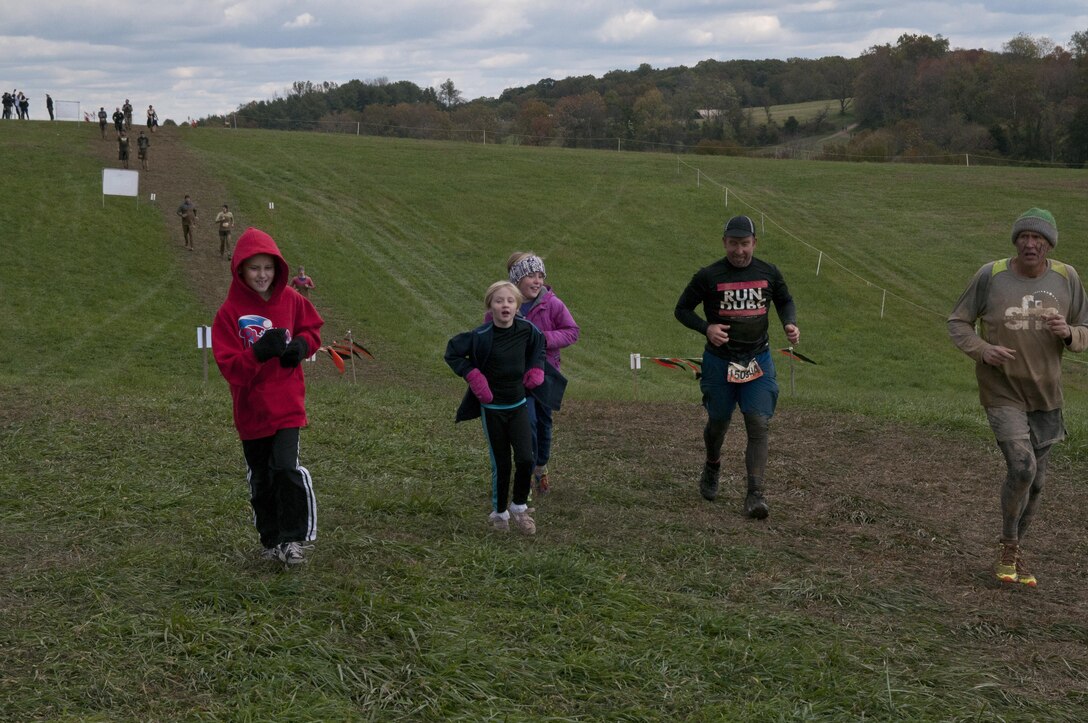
(1038, 220)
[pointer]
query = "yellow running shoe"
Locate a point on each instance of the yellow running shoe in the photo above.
(1023, 575)
(1006, 563)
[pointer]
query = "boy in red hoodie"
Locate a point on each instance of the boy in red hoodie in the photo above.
(261, 334)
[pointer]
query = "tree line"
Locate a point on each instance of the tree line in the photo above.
(913, 99)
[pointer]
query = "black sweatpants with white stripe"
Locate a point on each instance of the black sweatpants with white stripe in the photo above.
(280, 489)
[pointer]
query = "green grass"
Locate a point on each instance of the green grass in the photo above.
(130, 589)
(405, 236)
(806, 111)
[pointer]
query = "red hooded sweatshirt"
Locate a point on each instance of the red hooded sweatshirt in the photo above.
(267, 396)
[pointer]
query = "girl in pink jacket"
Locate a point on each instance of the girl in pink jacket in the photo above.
(549, 314)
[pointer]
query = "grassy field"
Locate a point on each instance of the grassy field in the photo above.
(131, 590)
(808, 110)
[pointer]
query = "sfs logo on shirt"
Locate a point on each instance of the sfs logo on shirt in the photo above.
(1031, 314)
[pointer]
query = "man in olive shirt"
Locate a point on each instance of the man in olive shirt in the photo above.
(187, 213)
(1030, 309)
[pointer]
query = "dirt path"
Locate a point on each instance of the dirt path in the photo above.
(174, 171)
(864, 509)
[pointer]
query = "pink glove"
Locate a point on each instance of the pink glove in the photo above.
(477, 382)
(533, 378)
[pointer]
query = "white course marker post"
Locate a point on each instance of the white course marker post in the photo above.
(204, 341)
(636, 364)
(351, 354)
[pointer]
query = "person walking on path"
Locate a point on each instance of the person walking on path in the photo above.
(224, 221)
(549, 314)
(122, 148)
(302, 283)
(736, 293)
(1029, 310)
(260, 336)
(187, 213)
(502, 361)
(103, 117)
(143, 145)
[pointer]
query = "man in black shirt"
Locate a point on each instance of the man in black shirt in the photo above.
(736, 293)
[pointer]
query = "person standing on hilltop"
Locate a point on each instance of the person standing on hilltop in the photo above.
(49, 105)
(1029, 310)
(152, 119)
(736, 293)
(126, 109)
(102, 118)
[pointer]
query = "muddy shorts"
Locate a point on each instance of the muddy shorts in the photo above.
(1042, 428)
(721, 397)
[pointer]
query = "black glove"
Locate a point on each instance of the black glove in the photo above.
(272, 343)
(296, 351)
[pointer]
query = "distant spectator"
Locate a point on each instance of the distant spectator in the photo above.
(187, 212)
(9, 101)
(127, 110)
(118, 121)
(49, 106)
(143, 144)
(122, 148)
(152, 118)
(225, 221)
(24, 106)
(102, 118)
(302, 283)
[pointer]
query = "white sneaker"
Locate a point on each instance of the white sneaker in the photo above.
(498, 522)
(270, 553)
(523, 522)
(290, 553)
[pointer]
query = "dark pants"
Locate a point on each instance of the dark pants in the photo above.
(540, 424)
(507, 430)
(281, 491)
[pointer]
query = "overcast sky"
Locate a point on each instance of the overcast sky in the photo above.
(192, 58)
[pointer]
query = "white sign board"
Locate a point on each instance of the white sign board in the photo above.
(203, 337)
(116, 182)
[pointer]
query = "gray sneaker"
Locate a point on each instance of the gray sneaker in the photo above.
(270, 553)
(523, 522)
(755, 506)
(290, 553)
(498, 523)
(708, 482)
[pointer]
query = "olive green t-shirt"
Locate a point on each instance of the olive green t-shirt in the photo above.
(1011, 310)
